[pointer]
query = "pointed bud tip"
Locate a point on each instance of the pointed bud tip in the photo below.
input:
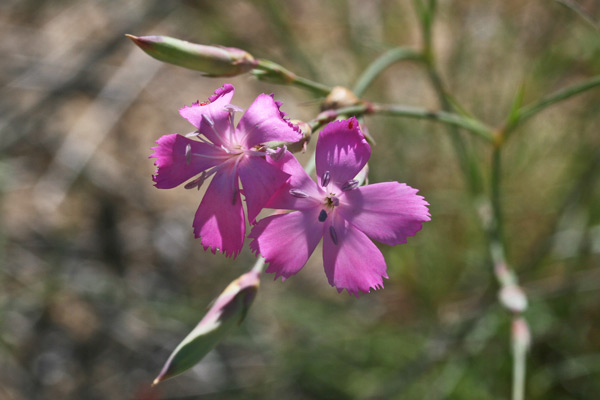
(137, 40)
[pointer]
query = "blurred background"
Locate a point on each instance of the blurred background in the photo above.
(100, 276)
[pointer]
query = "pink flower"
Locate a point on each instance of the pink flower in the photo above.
(339, 211)
(219, 148)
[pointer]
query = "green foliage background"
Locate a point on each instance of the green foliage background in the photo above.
(100, 276)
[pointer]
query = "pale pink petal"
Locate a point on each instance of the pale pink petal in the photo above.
(260, 181)
(342, 150)
(179, 158)
(388, 212)
(263, 122)
(299, 181)
(351, 260)
(219, 221)
(216, 112)
(287, 241)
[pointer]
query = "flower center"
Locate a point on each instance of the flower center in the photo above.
(332, 201)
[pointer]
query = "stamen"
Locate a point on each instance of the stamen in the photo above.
(334, 201)
(235, 179)
(192, 134)
(325, 179)
(333, 234)
(276, 154)
(351, 184)
(188, 154)
(225, 149)
(211, 124)
(196, 182)
(233, 108)
(322, 216)
(299, 194)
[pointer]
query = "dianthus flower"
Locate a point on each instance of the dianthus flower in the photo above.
(344, 214)
(220, 149)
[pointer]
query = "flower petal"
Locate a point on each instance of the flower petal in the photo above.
(219, 221)
(215, 110)
(300, 181)
(388, 212)
(342, 150)
(263, 122)
(177, 162)
(287, 241)
(351, 260)
(260, 181)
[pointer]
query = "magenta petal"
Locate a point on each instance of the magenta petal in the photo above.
(263, 122)
(342, 150)
(299, 180)
(351, 260)
(260, 181)
(215, 110)
(287, 241)
(388, 212)
(177, 162)
(219, 221)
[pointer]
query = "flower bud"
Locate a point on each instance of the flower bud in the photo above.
(212, 61)
(339, 97)
(227, 310)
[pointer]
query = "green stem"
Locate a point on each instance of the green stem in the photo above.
(398, 110)
(269, 71)
(519, 368)
(529, 111)
(497, 228)
(448, 118)
(380, 64)
(259, 265)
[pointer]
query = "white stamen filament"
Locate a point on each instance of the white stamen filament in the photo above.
(211, 124)
(188, 154)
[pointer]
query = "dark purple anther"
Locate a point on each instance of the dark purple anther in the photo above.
(351, 184)
(333, 234)
(322, 216)
(298, 193)
(325, 179)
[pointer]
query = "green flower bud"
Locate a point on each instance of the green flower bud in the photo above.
(227, 310)
(212, 61)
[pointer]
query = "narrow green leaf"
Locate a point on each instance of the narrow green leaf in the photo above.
(515, 110)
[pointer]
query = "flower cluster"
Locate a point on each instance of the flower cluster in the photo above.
(336, 209)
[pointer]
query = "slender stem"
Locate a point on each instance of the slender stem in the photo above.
(511, 295)
(269, 71)
(380, 64)
(448, 118)
(397, 110)
(259, 265)
(579, 10)
(519, 363)
(497, 229)
(529, 111)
